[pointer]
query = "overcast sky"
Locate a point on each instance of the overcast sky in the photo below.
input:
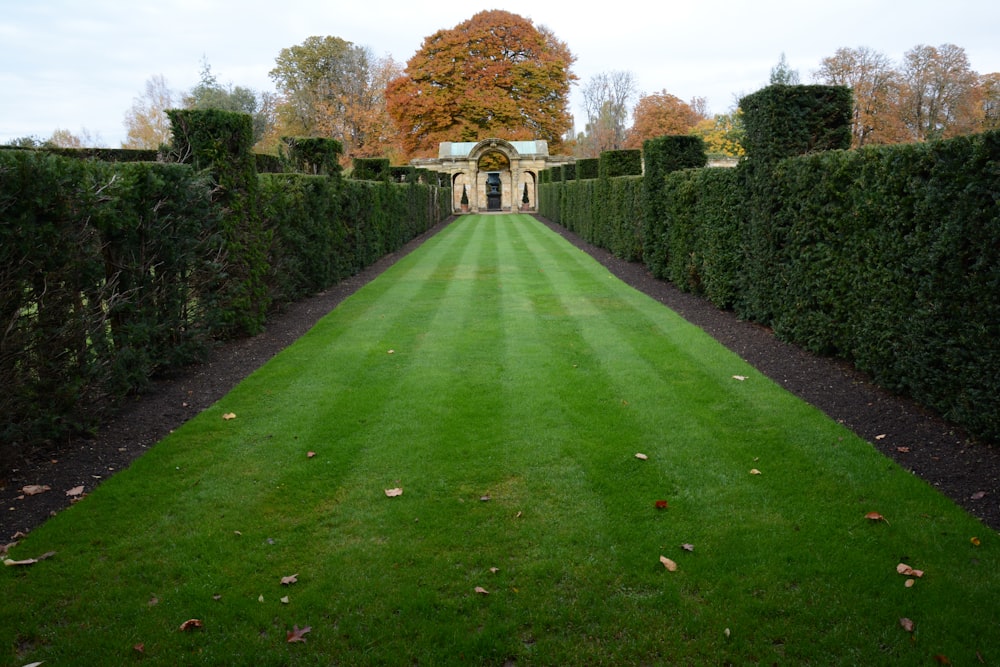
(79, 64)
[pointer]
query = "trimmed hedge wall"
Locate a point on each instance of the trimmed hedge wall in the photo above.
(113, 272)
(886, 256)
(784, 121)
(371, 169)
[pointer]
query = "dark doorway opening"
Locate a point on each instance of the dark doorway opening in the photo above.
(493, 193)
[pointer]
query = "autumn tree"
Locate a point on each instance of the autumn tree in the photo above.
(495, 74)
(660, 114)
(938, 98)
(146, 123)
(333, 88)
(875, 84)
(989, 87)
(722, 134)
(607, 100)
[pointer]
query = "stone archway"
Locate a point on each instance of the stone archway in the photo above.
(522, 162)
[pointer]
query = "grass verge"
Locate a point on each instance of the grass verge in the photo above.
(505, 381)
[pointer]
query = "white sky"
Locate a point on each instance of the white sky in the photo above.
(79, 64)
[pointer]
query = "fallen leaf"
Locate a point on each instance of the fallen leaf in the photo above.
(727, 632)
(875, 516)
(391, 352)
(309, 455)
(296, 634)
(975, 541)
(291, 579)
(75, 491)
(229, 415)
(905, 569)
(260, 598)
(29, 561)
(494, 570)
(4, 548)
(153, 601)
(741, 378)
(687, 547)
(978, 495)
(942, 659)
(485, 498)
(481, 591)
(661, 504)
(519, 515)
(909, 583)
(34, 489)
(641, 456)
(754, 471)
(880, 437)
(392, 493)
(907, 624)
(191, 624)
(216, 597)
(284, 600)
(903, 450)
(139, 648)
(669, 564)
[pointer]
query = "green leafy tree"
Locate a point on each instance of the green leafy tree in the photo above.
(493, 75)
(210, 94)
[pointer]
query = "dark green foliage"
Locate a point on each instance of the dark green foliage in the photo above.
(404, 174)
(588, 168)
(102, 272)
(620, 163)
(112, 273)
(314, 155)
(569, 171)
(887, 256)
(783, 121)
(661, 157)
(269, 164)
(107, 154)
(371, 169)
(220, 142)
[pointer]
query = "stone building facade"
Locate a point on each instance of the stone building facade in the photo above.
(495, 174)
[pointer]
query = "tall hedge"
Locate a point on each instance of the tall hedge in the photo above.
(220, 142)
(314, 155)
(620, 163)
(783, 121)
(371, 169)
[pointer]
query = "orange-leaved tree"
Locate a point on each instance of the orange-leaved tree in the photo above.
(660, 114)
(493, 75)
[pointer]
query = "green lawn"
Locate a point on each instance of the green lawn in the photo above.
(505, 382)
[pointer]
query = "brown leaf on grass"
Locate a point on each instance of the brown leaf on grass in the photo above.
(75, 491)
(481, 591)
(4, 548)
(906, 624)
(662, 504)
(29, 561)
(687, 547)
(392, 493)
(153, 601)
(297, 634)
(909, 583)
(741, 378)
(285, 600)
(669, 564)
(942, 659)
(908, 571)
(494, 570)
(309, 455)
(875, 516)
(291, 579)
(229, 415)
(754, 471)
(641, 456)
(485, 498)
(139, 648)
(191, 624)
(975, 541)
(34, 489)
